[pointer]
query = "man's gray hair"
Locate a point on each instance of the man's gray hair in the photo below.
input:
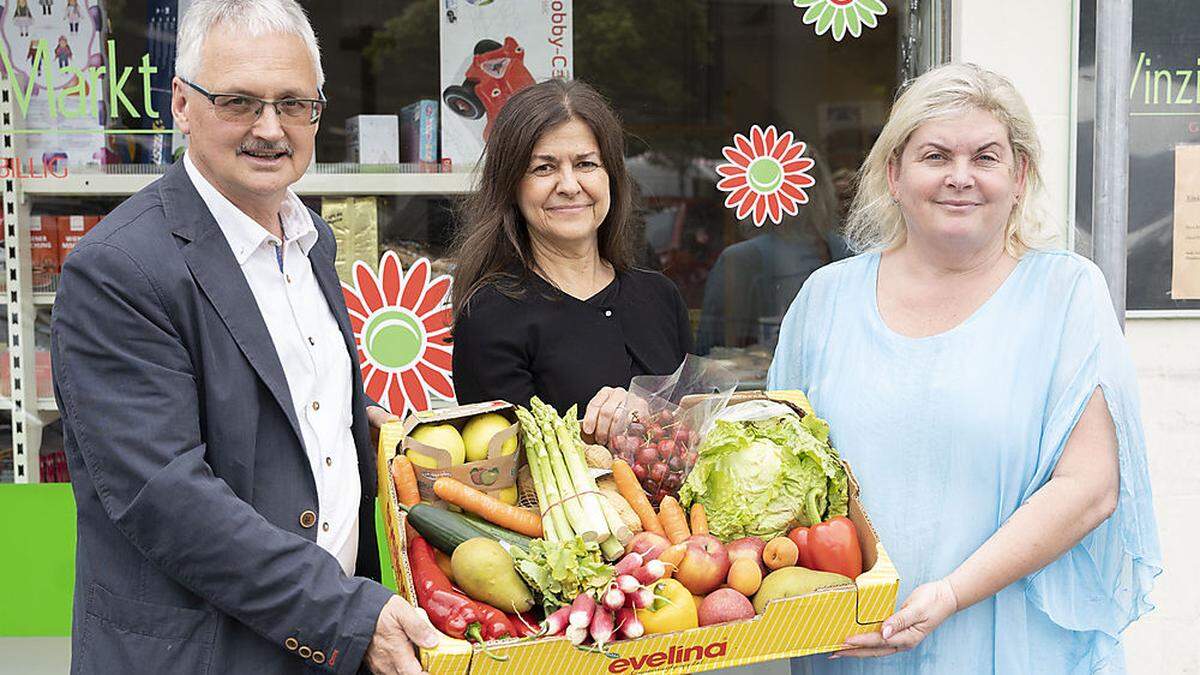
(250, 19)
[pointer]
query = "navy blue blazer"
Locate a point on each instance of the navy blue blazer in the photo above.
(196, 531)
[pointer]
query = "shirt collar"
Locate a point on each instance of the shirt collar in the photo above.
(242, 232)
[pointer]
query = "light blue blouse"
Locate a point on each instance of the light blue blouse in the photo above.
(948, 435)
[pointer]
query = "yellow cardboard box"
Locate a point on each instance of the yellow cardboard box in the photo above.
(808, 624)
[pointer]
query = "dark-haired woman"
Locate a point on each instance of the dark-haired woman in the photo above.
(546, 299)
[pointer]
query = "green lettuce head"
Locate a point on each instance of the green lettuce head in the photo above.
(758, 477)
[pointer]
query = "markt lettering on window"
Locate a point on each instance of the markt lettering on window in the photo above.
(85, 92)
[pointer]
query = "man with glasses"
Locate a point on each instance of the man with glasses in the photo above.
(213, 412)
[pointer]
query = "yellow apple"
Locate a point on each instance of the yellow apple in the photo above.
(478, 433)
(442, 436)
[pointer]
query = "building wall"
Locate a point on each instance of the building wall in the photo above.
(1032, 42)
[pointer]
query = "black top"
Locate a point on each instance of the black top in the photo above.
(564, 349)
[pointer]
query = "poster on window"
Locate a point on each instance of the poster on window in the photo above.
(1185, 261)
(491, 49)
(54, 53)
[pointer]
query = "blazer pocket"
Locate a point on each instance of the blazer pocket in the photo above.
(125, 635)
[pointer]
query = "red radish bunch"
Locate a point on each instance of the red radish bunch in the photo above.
(661, 448)
(616, 611)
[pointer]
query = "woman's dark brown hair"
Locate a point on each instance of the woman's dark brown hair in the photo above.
(493, 239)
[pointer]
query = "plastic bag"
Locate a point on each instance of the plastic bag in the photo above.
(660, 425)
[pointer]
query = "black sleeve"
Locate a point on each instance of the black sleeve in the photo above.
(685, 325)
(491, 351)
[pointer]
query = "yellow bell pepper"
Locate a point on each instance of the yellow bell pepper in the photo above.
(673, 609)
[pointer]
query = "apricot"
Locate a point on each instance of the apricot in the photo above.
(780, 552)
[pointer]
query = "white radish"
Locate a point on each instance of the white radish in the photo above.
(556, 623)
(627, 583)
(631, 626)
(614, 598)
(643, 598)
(628, 564)
(577, 634)
(651, 572)
(582, 610)
(601, 629)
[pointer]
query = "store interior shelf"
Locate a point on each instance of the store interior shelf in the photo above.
(44, 403)
(314, 183)
(43, 297)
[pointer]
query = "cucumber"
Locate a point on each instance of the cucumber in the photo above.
(442, 529)
(445, 530)
(498, 533)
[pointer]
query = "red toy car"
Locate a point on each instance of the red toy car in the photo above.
(496, 73)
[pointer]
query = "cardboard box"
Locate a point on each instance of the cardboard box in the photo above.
(809, 624)
(70, 230)
(373, 139)
(43, 252)
(495, 473)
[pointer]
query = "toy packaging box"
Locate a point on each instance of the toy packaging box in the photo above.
(489, 51)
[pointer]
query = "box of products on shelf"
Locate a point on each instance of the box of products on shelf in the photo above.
(42, 377)
(419, 134)
(51, 239)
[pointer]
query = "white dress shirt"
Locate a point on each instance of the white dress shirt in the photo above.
(310, 348)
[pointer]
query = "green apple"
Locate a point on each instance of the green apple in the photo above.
(442, 436)
(479, 431)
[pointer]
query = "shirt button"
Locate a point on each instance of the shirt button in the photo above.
(324, 527)
(316, 405)
(308, 519)
(312, 341)
(608, 312)
(328, 461)
(289, 278)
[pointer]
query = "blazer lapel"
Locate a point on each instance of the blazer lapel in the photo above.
(216, 271)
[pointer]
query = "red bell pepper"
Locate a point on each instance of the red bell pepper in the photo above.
(833, 545)
(526, 625)
(450, 612)
(799, 537)
(496, 625)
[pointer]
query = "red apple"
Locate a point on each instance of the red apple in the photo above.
(705, 564)
(649, 544)
(748, 547)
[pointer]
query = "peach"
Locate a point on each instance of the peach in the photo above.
(780, 552)
(724, 605)
(745, 576)
(748, 547)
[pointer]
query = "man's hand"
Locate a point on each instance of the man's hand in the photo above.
(400, 625)
(378, 416)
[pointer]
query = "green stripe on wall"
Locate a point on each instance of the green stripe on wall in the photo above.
(37, 559)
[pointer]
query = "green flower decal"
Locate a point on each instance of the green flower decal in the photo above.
(842, 16)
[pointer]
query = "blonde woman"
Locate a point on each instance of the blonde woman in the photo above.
(979, 384)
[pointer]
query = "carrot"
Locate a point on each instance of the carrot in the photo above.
(487, 507)
(631, 490)
(405, 480)
(699, 519)
(673, 519)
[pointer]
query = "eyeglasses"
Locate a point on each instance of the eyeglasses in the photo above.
(246, 109)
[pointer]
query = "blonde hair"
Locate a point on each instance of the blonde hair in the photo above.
(875, 222)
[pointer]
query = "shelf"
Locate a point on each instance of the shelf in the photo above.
(43, 297)
(44, 404)
(314, 184)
